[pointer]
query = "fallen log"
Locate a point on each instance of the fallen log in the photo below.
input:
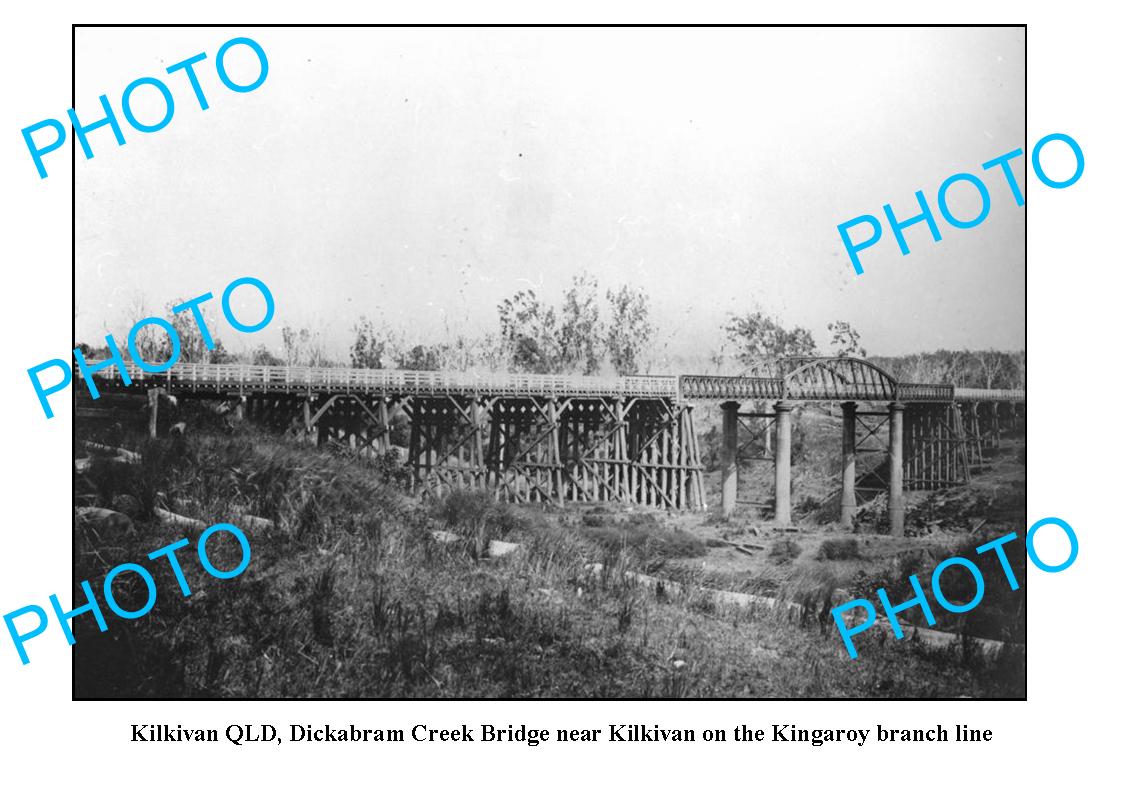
(179, 521)
(105, 520)
(245, 522)
(742, 547)
(122, 454)
(249, 522)
(495, 548)
(95, 414)
(82, 465)
(937, 639)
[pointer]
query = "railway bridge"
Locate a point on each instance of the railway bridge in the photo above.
(631, 439)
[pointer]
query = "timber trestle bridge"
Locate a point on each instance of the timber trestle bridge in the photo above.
(631, 439)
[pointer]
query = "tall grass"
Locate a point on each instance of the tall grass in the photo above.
(348, 594)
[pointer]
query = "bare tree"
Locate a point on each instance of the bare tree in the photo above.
(528, 329)
(992, 364)
(579, 334)
(371, 344)
(304, 347)
(954, 363)
(845, 340)
(629, 331)
(1018, 366)
(154, 344)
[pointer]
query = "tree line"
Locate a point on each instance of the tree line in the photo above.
(589, 332)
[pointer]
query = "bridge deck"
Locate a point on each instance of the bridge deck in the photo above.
(821, 384)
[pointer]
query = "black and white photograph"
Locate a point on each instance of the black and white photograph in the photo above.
(536, 363)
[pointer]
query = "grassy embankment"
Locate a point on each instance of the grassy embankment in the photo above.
(348, 595)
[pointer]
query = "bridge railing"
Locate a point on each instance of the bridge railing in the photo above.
(907, 391)
(279, 378)
(980, 394)
(196, 376)
(732, 387)
(757, 388)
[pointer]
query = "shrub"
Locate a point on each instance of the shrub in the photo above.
(390, 469)
(784, 551)
(838, 550)
(477, 516)
(648, 542)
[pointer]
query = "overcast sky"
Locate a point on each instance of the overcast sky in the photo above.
(420, 176)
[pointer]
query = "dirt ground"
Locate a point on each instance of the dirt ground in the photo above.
(748, 551)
